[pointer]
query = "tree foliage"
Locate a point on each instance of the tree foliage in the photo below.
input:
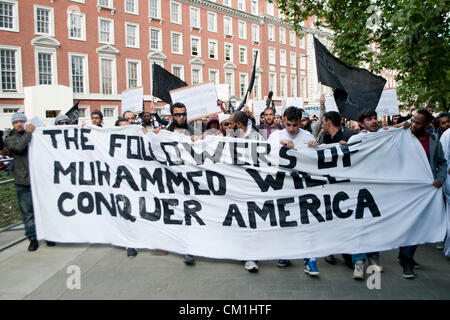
(412, 37)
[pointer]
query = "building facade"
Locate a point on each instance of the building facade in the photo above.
(100, 48)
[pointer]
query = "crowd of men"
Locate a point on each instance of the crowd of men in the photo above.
(293, 129)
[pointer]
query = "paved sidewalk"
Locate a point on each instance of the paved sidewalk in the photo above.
(106, 273)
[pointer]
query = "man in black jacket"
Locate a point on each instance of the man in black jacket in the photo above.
(17, 144)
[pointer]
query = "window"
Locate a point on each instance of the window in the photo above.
(213, 49)
(212, 22)
(270, 9)
(195, 47)
(229, 80)
(195, 18)
(79, 75)
(10, 69)
(105, 3)
(255, 33)
(108, 76)
(214, 75)
(283, 85)
(303, 62)
(44, 21)
(177, 43)
(9, 109)
(227, 2)
(131, 6)
(228, 26)
(283, 58)
(84, 111)
(293, 86)
(257, 87)
(254, 7)
(9, 16)
(241, 5)
(155, 9)
(272, 56)
(242, 29)
(271, 32)
(292, 38)
(132, 35)
(45, 68)
(133, 74)
(293, 60)
(155, 39)
(242, 55)
(178, 71)
(77, 26)
(302, 42)
(228, 52)
(273, 83)
(175, 12)
(303, 87)
(254, 51)
(110, 111)
(106, 31)
(282, 36)
(243, 84)
(196, 75)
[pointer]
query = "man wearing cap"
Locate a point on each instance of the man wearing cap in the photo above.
(17, 143)
(62, 120)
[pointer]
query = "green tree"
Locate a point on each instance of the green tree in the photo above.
(411, 35)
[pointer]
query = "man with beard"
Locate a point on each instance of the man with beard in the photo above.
(179, 123)
(441, 124)
(269, 125)
(224, 120)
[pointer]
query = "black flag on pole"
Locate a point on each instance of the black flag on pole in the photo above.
(163, 81)
(74, 113)
(250, 86)
(354, 88)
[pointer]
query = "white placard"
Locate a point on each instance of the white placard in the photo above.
(259, 107)
(330, 104)
(199, 100)
(36, 122)
(222, 92)
(388, 104)
(294, 102)
(132, 100)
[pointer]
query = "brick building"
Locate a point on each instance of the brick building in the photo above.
(101, 47)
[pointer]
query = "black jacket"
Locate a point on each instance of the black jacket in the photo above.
(17, 145)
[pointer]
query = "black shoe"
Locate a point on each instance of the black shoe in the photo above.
(34, 244)
(348, 260)
(330, 259)
(408, 273)
(189, 260)
(131, 252)
(50, 243)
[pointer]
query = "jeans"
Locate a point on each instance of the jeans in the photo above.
(406, 255)
(362, 256)
(26, 209)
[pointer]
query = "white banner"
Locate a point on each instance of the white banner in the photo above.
(228, 198)
(133, 99)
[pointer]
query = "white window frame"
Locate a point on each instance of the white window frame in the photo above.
(179, 13)
(180, 43)
(111, 42)
(138, 39)
(54, 63)
(197, 10)
(231, 85)
(292, 38)
(272, 59)
(257, 87)
(115, 112)
(87, 111)
(15, 11)
(245, 83)
(227, 3)
(242, 26)
(274, 89)
(270, 9)
(256, 11)
(303, 62)
(241, 2)
(51, 21)
(113, 73)
(293, 59)
(271, 32)
(158, 5)
(18, 61)
(160, 44)
(216, 53)
(200, 74)
(246, 55)
(302, 44)
(85, 57)
(139, 72)
(199, 49)
(181, 71)
(217, 80)
(230, 33)
(215, 21)
(282, 32)
(231, 51)
(83, 25)
(283, 75)
(136, 7)
(257, 33)
(283, 58)
(294, 86)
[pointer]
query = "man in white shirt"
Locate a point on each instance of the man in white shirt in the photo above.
(292, 136)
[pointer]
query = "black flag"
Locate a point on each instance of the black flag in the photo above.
(250, 86)
(74, 113)
(163, 81)
(354, 88)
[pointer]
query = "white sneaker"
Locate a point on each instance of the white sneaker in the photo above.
(358, 272)
(251, 266)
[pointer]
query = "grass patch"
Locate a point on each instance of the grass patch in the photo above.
(9, 209)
